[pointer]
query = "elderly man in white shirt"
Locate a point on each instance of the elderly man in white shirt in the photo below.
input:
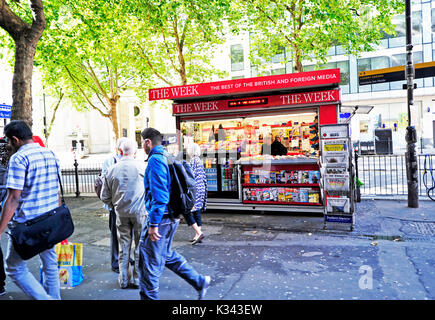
(123, 190)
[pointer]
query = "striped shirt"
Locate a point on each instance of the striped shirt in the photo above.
(200, 184)
(34, 170)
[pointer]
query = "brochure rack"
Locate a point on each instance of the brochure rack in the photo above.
(337, 174)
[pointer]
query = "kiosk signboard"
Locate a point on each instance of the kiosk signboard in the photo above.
(249, 85)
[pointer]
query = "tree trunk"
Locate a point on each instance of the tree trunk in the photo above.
(22, 80)
(298, 65)
(26, 38)
(297, 59)
(114, 117)
(53, 117)
(180, 46)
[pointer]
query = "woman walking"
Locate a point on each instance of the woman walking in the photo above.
(194, 218)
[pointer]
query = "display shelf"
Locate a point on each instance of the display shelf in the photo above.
(234, 128)
(280, 161)
(281, 203)
(288, 185)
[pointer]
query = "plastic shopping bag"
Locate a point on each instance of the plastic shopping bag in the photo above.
(69, 260)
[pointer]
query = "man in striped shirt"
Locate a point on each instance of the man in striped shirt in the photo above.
(33, 189)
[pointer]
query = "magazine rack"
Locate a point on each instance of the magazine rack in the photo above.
(337, 174)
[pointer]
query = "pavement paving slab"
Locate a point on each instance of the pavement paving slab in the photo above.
(389, 255)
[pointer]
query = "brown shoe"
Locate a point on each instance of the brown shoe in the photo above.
(198, 240)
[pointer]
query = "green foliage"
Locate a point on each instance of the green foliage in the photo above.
(308, 28)
(83, 51)
(174, 41)
(94, 50)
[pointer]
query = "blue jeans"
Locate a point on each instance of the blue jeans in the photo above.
(2, 270)
(16, 268)
(155, 255)
(193, 217)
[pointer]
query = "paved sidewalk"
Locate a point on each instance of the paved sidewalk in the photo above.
(274, 256)
(378, 219)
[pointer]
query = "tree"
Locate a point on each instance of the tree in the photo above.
(178, 41)
(85, 48)
(59, 94)
(103, 48)
(25, 33)
(98, 50)
(308, 28)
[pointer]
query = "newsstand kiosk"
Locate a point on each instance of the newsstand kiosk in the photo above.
(259, 137)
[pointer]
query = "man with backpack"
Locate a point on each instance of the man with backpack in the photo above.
(155, 246)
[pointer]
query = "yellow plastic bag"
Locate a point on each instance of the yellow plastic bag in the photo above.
(70, 263)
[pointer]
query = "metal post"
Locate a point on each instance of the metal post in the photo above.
(76, 171)
(358, 190)
(421, 145)
(411, 134)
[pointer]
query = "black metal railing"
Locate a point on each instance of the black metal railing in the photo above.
(384, 175)
(381, 175)
(79, 178)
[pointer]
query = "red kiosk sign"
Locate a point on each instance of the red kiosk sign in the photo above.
(303, 98)
(249, 85)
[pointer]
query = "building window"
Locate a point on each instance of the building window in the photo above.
(364, 64)
(136, 111)
(400, 59)
(237, 77)
(344, 72)
(433, 24)
(254, 71)
(236, 57)
(380, 63)
(289, 67)
(280, 56)
(331, 51)
(344, 76)
(417, 27)
(310, 67)
(278, 71)
(399, 21)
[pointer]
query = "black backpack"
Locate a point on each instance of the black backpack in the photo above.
(182, 198)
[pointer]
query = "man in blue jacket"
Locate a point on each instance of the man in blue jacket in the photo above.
(155, 246)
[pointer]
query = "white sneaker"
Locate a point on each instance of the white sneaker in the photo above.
(203, 291)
